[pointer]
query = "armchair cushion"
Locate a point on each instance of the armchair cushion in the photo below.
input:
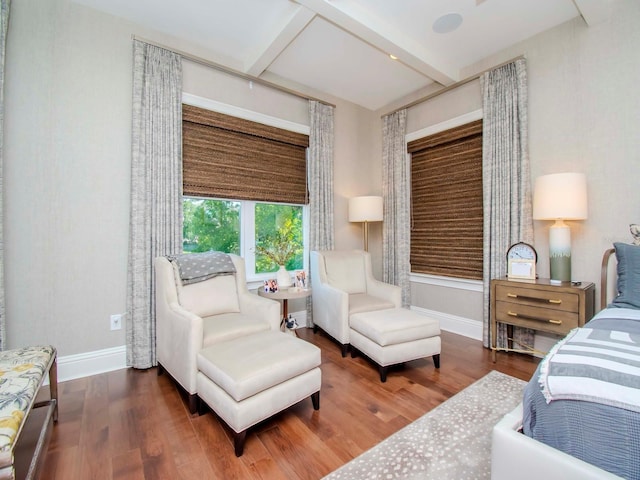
(345, 271)
(227, 326)
(211, 297)
(361, 302)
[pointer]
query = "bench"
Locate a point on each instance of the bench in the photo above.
(22, 373)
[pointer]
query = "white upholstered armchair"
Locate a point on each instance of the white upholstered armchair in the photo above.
(195, 316)
(343, 284)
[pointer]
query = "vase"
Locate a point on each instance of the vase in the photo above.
(283, 277)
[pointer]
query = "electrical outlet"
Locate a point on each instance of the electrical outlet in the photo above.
(116, 321)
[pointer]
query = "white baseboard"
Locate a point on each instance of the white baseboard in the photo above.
(454, 324)
(71, 367)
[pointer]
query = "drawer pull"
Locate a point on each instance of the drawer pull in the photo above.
(514, 314)
(534, 299)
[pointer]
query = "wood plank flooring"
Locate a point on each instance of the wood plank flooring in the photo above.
(132, 424)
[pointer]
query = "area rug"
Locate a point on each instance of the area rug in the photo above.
(452, 441)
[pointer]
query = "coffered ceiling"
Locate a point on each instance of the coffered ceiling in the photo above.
(343, 47)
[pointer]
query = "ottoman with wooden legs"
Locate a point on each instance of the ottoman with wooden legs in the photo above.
(250, 378)
(393, 336)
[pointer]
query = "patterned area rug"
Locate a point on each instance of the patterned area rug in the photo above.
(452, 441)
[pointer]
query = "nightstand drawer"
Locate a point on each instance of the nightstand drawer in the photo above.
(554, 299)
(539, 318)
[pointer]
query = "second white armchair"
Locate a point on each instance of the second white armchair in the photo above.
(343, 284)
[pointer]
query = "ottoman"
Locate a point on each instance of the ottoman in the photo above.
(249, 379)
(393, 336)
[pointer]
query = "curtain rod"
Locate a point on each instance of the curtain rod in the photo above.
(231, 71)
(452, 86)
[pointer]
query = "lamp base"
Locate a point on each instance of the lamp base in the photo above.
(560, 252)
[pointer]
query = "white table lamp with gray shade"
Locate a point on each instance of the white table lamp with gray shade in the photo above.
(559, 197)
(365, 209)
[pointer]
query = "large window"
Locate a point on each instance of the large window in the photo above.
(262, 233)
(446, 203)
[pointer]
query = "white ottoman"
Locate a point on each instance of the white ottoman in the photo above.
(248, 379)
(393, 336)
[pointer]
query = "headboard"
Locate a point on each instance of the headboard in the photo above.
(605, 288)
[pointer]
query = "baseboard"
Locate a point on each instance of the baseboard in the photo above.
(454, 324)
(71, 367)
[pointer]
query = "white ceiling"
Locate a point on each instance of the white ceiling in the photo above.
(341, 47)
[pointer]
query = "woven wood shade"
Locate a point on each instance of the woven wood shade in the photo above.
(446, 202)
(228, 157)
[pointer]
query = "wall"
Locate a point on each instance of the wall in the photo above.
(67, 163)
(584, 115)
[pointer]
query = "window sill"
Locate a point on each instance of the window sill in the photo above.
(448, 282)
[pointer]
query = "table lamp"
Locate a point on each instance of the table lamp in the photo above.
(559, 197)
(365, 209)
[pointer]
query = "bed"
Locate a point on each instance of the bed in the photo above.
(580, 413)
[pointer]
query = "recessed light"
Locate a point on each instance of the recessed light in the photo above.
(447, 23)
(392, 56)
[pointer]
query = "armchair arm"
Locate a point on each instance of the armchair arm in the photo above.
(260, 307)
(331, 311)
(179, 335)
(386, 291)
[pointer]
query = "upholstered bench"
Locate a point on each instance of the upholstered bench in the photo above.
(22, 373)
(250, 378)
(393, 336)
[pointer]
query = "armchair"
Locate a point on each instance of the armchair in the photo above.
(344, 285)
(195, 316)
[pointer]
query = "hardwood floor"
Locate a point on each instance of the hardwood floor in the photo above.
(132, 424)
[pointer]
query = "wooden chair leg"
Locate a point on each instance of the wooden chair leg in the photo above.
(436, 360)
(315, 399)
(383, 374)
(193, 403)
(238, 442)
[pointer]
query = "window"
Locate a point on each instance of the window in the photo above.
(245, 228)
(245, 190)
(446, 203)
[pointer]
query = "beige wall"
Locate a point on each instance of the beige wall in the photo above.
(67, 164)
(67, 156)
(584, 116)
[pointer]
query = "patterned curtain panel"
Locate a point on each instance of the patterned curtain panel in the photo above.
(506, 178)
(320, 178)
(396, 194)
(4, 24)
(156, 189)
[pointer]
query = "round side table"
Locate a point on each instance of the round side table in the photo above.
(285, 295)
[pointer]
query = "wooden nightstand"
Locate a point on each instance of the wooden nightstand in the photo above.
(539, 305)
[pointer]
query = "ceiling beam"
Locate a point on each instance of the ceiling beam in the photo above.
(385, 38)
(281, 39)
(594, 11)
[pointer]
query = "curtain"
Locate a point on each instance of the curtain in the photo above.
(320, 178)
(506, 178)
(396, 188)
(156, 189)
(4, 25)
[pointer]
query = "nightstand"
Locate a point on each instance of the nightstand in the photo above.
(540, 306)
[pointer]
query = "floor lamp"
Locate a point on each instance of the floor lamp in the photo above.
(559, 197)
(365, 210)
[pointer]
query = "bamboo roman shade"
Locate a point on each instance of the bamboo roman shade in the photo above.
(446, 202)
(229, 157)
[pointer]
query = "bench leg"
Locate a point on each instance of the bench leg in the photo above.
(436, 360)
(345, 349)
(53, 386)
(315, 399)
(238, 442)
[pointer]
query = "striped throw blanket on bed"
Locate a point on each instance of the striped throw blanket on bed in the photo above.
(594, 365)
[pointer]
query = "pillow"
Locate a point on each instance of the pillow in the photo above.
(628, 276)
(635, 232)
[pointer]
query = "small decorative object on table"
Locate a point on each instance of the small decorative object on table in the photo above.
(271, 285)
(301, 279)
(521, 262)
(280, 248)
